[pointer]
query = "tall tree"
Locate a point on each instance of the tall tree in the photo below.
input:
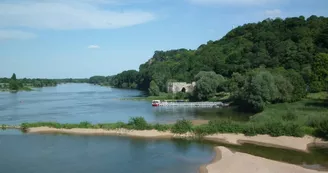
(13, 84)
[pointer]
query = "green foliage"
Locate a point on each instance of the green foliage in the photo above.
(13, 77)
(289, 116)
(207, 84)
(139, 123)
(126, 79)
(153, 89)
(182, 126)
(85, 124)
(320, 72)
(180, 95)
(322, 129)
(98, 80)
(162, 127)
(3, 127)
(113, 126)
(13, 85)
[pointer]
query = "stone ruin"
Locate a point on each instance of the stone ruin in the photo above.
(175, 87)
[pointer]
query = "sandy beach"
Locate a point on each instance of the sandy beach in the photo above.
(235, 162)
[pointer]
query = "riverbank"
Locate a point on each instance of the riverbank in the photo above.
(236, 162)
(286, 142)
(20, 89)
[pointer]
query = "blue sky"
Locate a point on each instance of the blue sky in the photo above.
(81, 38)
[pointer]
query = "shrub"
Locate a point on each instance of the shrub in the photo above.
(138, 123)
(161, 127)
(112, 126)
(274, 129)
(203, 130)
(182, 126)
(3, 127)
(69, 126)
(85, 124)
(289, 116)
(322, 129)
(180, 95)
(225, 126)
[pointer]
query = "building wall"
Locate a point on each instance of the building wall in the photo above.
(175, 87)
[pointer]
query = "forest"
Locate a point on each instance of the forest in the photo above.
(272, 61)
(15, 84)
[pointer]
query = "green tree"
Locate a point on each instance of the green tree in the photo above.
(259, 89)
(207, 84)
(320, 72)
(13, 77)
(13, 84)
(153, 89)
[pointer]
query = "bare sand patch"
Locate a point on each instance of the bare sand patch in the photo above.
(230, 162)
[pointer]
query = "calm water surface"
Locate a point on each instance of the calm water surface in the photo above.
(99, 154)
(73, 103)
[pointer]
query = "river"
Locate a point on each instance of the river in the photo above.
(73, 103)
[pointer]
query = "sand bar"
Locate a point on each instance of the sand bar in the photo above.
(287, 142)
(229, 162)
(294, 143)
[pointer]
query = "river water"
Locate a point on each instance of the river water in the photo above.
(73, 103)
(99, 154)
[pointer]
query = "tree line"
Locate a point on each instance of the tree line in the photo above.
(16, 84)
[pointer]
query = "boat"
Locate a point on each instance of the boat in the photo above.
(155, 103)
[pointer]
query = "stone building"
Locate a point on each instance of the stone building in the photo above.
(175, 87)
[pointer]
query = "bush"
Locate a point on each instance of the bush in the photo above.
(113, 126)
(161, 127)
(85, 124)
(182, 126)
(225, 126)
(3, 127)
(139, 123)
(289, 116)
(180, 95)
(276, 129)
(322, 129)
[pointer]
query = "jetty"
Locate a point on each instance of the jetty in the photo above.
(157, 103)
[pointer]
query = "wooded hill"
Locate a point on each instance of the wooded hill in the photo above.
(292, 43)
(275, 56)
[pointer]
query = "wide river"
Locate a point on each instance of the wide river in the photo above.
(73, 103)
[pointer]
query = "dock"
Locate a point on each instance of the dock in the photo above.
(193, 104)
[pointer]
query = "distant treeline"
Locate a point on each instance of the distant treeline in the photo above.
(25, 82)
(275, 60)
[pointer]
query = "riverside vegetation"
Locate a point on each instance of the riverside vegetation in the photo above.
(272, 128)
(14, 84)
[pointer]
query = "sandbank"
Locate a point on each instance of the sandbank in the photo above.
(236, 162)
(287, 142)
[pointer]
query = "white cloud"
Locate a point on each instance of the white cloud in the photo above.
(93, 47)
(233, 2)
(15, 34)
(64, 15)
(273, 13)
